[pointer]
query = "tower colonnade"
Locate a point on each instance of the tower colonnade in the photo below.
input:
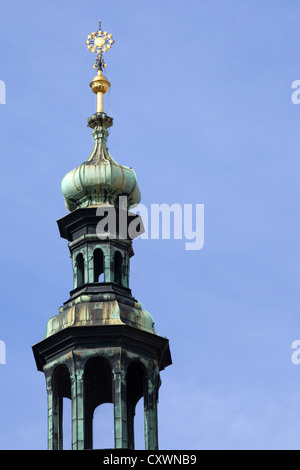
(122, 379)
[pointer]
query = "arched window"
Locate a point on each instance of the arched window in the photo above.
(98, 391)
(80, 269)
(98, 265)
(118, 267)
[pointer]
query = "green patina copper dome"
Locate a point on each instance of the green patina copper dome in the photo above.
(100, 179)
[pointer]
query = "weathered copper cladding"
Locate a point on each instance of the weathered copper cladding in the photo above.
(100, 179)
(101, 347)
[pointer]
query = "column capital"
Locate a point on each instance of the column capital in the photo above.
(79, 374)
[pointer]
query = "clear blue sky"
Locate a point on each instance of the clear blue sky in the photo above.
(201, 101)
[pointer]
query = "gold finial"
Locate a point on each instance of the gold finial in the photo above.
(99, 42)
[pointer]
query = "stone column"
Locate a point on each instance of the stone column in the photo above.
(120, 407)
(151, 400)
(126, 270)
(107, 263)
(53, 413)
(74, 266)
(77, 393)
(90, 263)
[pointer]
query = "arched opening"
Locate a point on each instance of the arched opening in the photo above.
(80, 269)
(98, 265)
(103, 427)
(98, 390)
(62, 399)
(139, 425)
(67, 423)
(118, 267)
(136, 389)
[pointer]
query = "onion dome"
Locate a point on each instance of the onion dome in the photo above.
(100, 179)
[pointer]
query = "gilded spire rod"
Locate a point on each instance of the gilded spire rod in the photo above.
(99, 42)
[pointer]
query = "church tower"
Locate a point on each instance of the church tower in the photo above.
(101, 347)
